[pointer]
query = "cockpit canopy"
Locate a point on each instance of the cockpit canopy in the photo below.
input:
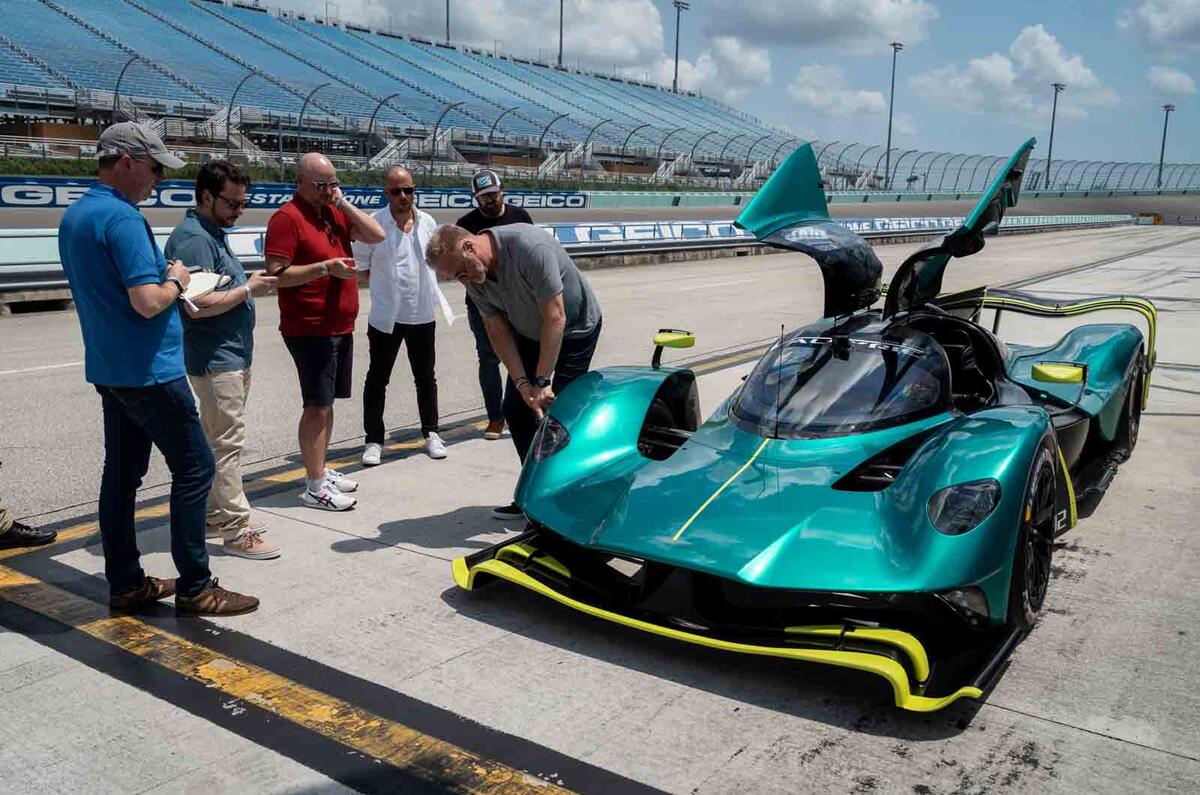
(834, 383)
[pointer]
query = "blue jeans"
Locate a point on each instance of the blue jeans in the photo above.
(135, 418)
(490, 382)
(574, 359)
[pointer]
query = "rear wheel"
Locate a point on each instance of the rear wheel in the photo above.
(1131, 414)
(1035, 540)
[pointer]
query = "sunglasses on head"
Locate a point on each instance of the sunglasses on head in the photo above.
(409, 191)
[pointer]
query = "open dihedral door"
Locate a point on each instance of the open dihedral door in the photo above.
(790, 212)
(919, 279)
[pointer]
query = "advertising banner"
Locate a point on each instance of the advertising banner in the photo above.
(61, 192)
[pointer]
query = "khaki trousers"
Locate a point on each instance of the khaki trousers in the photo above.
(222, 403)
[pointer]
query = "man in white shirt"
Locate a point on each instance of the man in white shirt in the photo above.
(404, 296)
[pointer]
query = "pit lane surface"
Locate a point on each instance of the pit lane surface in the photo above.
(1099, 697)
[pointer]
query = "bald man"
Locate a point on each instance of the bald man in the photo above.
(308, 248)
(404, 298)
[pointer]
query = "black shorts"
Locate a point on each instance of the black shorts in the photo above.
(324, 365)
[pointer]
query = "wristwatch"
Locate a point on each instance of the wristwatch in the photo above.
(540, 381)
(177, 283)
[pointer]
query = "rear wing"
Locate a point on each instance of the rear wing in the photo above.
(972, 302)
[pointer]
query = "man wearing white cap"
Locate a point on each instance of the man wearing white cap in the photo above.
(125, 296)
(492, 211)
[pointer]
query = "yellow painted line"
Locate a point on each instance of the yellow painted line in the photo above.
(717, 493)
(253, 488)
(427, 758)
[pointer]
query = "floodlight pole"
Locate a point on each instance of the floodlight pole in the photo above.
(433, 141)
(560, 32)
(229, 110)
(447, 21)
(1163, 149)
(300, 121)
(680, 7)
(887, 166)
(117, 88)
(1050, 149)
(492, 131)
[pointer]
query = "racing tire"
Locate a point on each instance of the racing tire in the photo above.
(1035, 542)
(1131, 412)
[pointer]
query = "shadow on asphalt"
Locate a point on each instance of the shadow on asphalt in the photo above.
(447, 532)
(834, 696)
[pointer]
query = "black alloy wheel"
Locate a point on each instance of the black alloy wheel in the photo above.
(1131, 413)
(1035, 542)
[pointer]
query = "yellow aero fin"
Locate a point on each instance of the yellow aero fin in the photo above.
(903, 641)
(1059, 373)
(524, 552)
(1062, 462)
(885, 667)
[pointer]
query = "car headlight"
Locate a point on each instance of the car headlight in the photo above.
(551, 438)
(956, 509)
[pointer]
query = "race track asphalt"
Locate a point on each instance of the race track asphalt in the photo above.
(361, 609)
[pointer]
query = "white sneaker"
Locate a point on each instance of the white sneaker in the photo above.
(343, 484)
(328, 499)
(435, 446)
(372, 454)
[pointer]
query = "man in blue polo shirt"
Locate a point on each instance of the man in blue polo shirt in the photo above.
(125, 294)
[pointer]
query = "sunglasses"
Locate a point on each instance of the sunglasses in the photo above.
(409, 191)
(326, 185)
(155, 166)
(234, 205)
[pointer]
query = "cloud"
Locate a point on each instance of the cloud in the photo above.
(1164, 26)
(1171, 81)
(1017, 84)
(726, 70)
(826, 91)
(599, 34)
(856, 26)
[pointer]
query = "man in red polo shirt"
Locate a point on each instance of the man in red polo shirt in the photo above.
(308, 249)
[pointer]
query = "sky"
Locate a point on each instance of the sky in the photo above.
(972, 77)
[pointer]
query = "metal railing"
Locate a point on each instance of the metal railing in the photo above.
(29, 257)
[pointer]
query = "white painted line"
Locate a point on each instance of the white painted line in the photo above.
(715, 284)
(43, 367)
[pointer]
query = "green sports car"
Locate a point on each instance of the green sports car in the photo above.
(881, 492)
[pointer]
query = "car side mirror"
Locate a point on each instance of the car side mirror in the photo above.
(670, 338)
(1059, 373)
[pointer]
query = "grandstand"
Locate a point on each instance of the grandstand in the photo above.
(263, 84)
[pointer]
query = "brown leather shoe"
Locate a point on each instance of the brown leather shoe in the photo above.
(215, 601)
(151, 590)
(494, 430)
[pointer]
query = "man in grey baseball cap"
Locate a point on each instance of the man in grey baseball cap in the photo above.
(126, 299)
(133, 139)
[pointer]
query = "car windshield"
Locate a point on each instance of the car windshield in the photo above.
(809, 386)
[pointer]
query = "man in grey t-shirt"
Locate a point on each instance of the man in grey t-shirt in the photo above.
(542, 318)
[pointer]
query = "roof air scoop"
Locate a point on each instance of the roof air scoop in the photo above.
(790, 212)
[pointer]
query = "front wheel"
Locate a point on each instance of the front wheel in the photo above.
(1035, 541)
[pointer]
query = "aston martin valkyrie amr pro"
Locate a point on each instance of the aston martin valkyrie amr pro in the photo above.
(882, 492)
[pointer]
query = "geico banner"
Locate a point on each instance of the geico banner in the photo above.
(63, 192)
(583, 234)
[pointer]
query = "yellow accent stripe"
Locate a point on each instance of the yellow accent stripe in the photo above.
(429, 759)
(895, 638)
(886, 667)
(1062, 461)
(717, 493)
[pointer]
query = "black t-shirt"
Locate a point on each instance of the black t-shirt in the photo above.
(475, 221)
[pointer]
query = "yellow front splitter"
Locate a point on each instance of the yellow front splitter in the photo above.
(889, 669)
